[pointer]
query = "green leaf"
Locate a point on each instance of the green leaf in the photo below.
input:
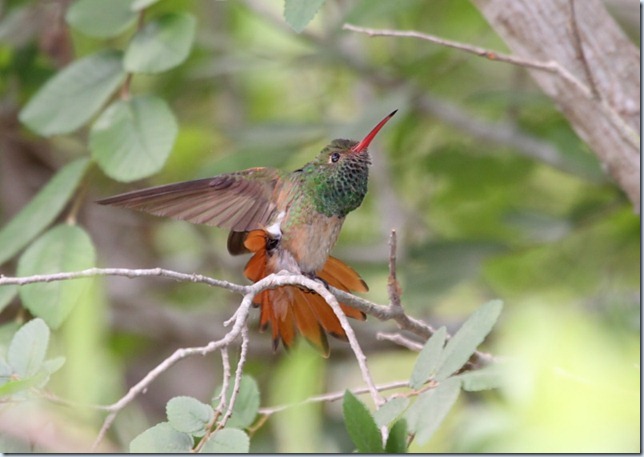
(161, 438)
(7, 293)
(390, 410)
(489, 377)
(51, 366)
(397, 440)
(20, 385)
(138, 5)
(132, 139)
(360, 424)
(189, 415)
(28, 348)
(162, 44)
(428, 359)
(298, 13)
(41, 210)
(63, 248)
(72, 96)
(464, 342)
(246, 404)
(431, 407)
(227, 441)
(99, 18)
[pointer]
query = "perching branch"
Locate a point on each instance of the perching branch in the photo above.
(239, 325)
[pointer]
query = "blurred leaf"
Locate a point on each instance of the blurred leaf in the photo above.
(161, 439)
(390, 410)
(489, 377)
(246, 404)
(360, 424)
(459, 260)
(7, 293)
(101, 19)
(428, 359)
(41, 210)
(20, 385)
(301, 375)
(28, 348)
(397, 440)
(63, 248)
(189, 415)
(427, 413)
(132, 139)
(227, 441)
(51, 366)
(298, 13)
(72, 96)
(465, 341)
(138, 5)
(162, 44)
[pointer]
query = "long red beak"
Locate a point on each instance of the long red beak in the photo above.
(364, 144)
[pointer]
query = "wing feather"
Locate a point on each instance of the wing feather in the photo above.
(239, 201)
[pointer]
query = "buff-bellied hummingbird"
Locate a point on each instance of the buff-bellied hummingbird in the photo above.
(288, 221)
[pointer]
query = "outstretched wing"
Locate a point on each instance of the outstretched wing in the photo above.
(237, 201)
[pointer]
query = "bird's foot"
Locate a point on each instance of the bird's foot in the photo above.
(315, 277)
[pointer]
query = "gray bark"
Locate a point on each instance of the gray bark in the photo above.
(604, 109)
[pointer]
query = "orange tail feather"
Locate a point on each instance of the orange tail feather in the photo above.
(289, 307)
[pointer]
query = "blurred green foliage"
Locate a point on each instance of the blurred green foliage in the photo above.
(476, 220)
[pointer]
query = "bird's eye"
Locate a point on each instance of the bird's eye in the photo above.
(335, 157)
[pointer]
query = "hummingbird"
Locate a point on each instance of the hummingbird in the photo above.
(288, 221)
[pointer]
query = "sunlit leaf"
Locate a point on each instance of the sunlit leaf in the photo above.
(360, 424)
(132, 139)
(427, 413)
(189, 415)
(428, 359)
(227, 441)
(162, 44)
(28, 348)
(99, 18)
(298, 13)
(41, 210)
(63, 248)
(465, 341)
(161, 438)
(72, 96)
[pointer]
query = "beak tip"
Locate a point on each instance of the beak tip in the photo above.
(362, 145)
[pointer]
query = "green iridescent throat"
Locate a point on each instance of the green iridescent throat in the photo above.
(338, 188)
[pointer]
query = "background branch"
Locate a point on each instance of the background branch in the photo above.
(625, 160)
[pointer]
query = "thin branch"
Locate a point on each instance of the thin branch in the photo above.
(124, 272)
(625, 130)
(333, 396)
(393, 286)
(476, 50)
(238, 375)
(239, 321)
(400, 340)
(331, 300)
(579, 49)
(501, 133)
(115, 408)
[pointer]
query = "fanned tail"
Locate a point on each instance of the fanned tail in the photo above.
(289, 308)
